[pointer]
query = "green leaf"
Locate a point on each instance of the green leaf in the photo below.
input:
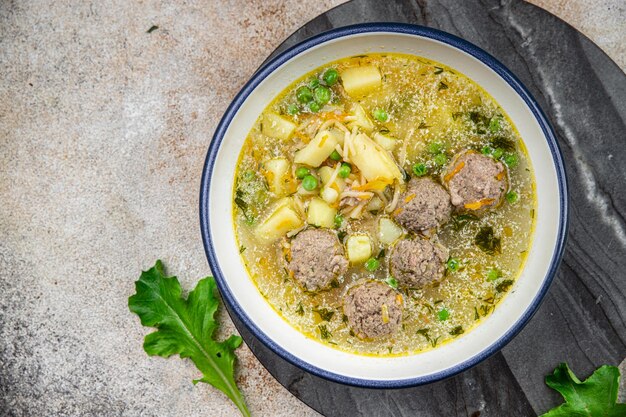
(186, 327)
(596, 397)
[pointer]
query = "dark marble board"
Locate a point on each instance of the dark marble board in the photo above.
(583, 318)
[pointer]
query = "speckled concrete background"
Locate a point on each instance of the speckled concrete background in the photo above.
(103, 132)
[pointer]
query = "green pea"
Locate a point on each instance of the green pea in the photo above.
(335, 156)
(309, 182)
(345, 170)
(304, 94)
(249, 175)
(302, 172)
(511, 160)
(440, 159)
(372, 264)
(497, 153)
(443, 314)
(314, 82)
(420, 170)
(453, 264)
(314, 106)
(380, 115)
(487, 150)
(293, 109)
(494, 124)
(338, 221)
(512, 197)
(322, 95)
(493, 274)
(435, 148)
(331, 76)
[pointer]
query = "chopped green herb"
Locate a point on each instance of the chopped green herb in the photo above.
(300, 309)
(487, 150)
(459, 221)
(503, 143)
(324, 313)
(423, 125)
(341, 234)
(381, 254)
(442, 86)
(334, 284)
(324, 333)
(344, 318)
(242, 249)
(152, 29)
(457, 331)
(487, 241)
(476, 315)
(504, 285)
(438, 70)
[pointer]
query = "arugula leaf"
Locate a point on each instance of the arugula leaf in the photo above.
(186, 327)
(596, 397)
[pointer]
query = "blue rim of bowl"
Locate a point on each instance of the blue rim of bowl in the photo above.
(395, 28)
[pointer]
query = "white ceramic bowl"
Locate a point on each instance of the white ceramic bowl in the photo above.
(243, 298)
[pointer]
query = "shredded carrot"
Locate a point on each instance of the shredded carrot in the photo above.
(397, 211)
(385, 313)
(375, 185)
(332, 115)
(500, 175)
(399, 299)
(409, 198)
(479, 204)
(455, 171)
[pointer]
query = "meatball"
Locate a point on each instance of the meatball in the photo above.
(373, 309)
(423, 206)
(414, 263)
(317, 257)
(476, 182)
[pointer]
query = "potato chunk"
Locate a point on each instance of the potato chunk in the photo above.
(374, 161)
(387, 142)
(316, 151)
(276, 126)
(360, 118)
(284, 218)
(388, 231)
(359, 248)
(277, 172)
(359, 81)
(320, 213)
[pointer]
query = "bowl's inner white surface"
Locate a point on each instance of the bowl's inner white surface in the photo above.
(449, 355)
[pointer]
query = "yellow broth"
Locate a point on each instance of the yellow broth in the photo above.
(433, 110)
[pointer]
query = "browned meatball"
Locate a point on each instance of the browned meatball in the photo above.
(476, 182)
(373, 309)
(423, 206)
(317, 257)
(415, 263)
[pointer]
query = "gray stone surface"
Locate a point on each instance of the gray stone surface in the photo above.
(103, 132)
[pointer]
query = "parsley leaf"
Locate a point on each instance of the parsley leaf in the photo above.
(596, 397)
(186, 327)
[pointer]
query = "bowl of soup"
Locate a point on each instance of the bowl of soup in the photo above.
(384, 205)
